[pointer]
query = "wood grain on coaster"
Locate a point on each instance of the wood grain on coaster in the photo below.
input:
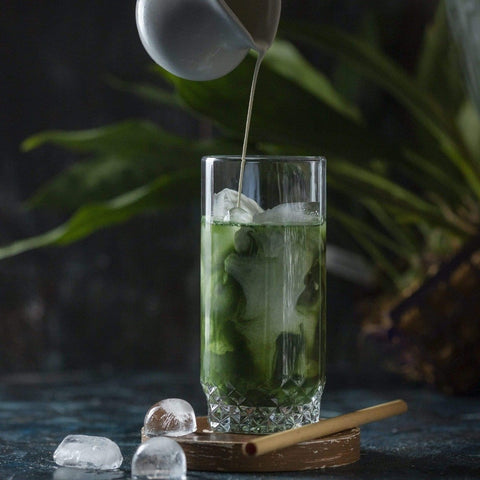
(222, 452)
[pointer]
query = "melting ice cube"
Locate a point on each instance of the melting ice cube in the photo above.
(68, 473)
(290, 213)
(226, 200)
(159, 458)
(238, 215)
(172, 417)
(89, 452)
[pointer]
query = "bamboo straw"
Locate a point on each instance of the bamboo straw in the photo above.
(280, 440)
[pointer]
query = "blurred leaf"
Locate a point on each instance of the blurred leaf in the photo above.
(370, 241)
(346, 79)
(284, 59)
(430, 176)
(94, 180)
(385, 73)
(469, 123)
(283, 113)
(160, 193)
(404, 240)
(110, 173)
(438, 65)
(146, 91)
(130, 138)
(358, 226)
(438, 73)
(369, 186)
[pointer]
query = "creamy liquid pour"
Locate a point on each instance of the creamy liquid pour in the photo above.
(261, 55)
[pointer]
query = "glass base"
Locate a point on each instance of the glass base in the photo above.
(225, 417)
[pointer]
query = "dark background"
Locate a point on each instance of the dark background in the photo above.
(126, 297)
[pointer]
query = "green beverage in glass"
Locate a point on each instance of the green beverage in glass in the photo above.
(263, 292)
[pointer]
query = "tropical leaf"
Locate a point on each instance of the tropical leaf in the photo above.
(404, 239)
(372, 242)
(385, 73)
(353, 224)
(438, 64)
(346, 79)
(125, 139)
(438, 73)
(468, 120)
(284, 59)
(283, 113)
(95, 180)
(160, 193)
(112, 171)
(147, 91)
(404, 204)
(430, 176)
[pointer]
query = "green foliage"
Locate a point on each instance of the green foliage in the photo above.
(314, 122)
(420, 102)
(402, 190)
(119, 158)
(87, 219)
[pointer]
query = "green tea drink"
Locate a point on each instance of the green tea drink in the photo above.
(263, 322)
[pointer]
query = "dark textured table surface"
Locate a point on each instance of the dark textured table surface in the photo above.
(438, 438)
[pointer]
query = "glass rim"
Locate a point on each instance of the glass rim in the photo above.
(267, 158)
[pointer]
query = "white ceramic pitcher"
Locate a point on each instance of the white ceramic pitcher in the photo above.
(205, 39)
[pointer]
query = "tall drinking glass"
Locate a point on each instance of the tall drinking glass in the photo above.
(263, 292)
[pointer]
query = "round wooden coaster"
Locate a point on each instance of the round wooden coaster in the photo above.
(222, 452)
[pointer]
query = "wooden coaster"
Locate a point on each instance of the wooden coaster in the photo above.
(222, 452)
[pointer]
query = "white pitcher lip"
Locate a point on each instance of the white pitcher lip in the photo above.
(259, 44)
(238, 23)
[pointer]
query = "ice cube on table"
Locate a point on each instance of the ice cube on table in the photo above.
(226, 200)
(88, 452)
(159, 458)
(290, 214)
(172, 417)
(68, 473)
